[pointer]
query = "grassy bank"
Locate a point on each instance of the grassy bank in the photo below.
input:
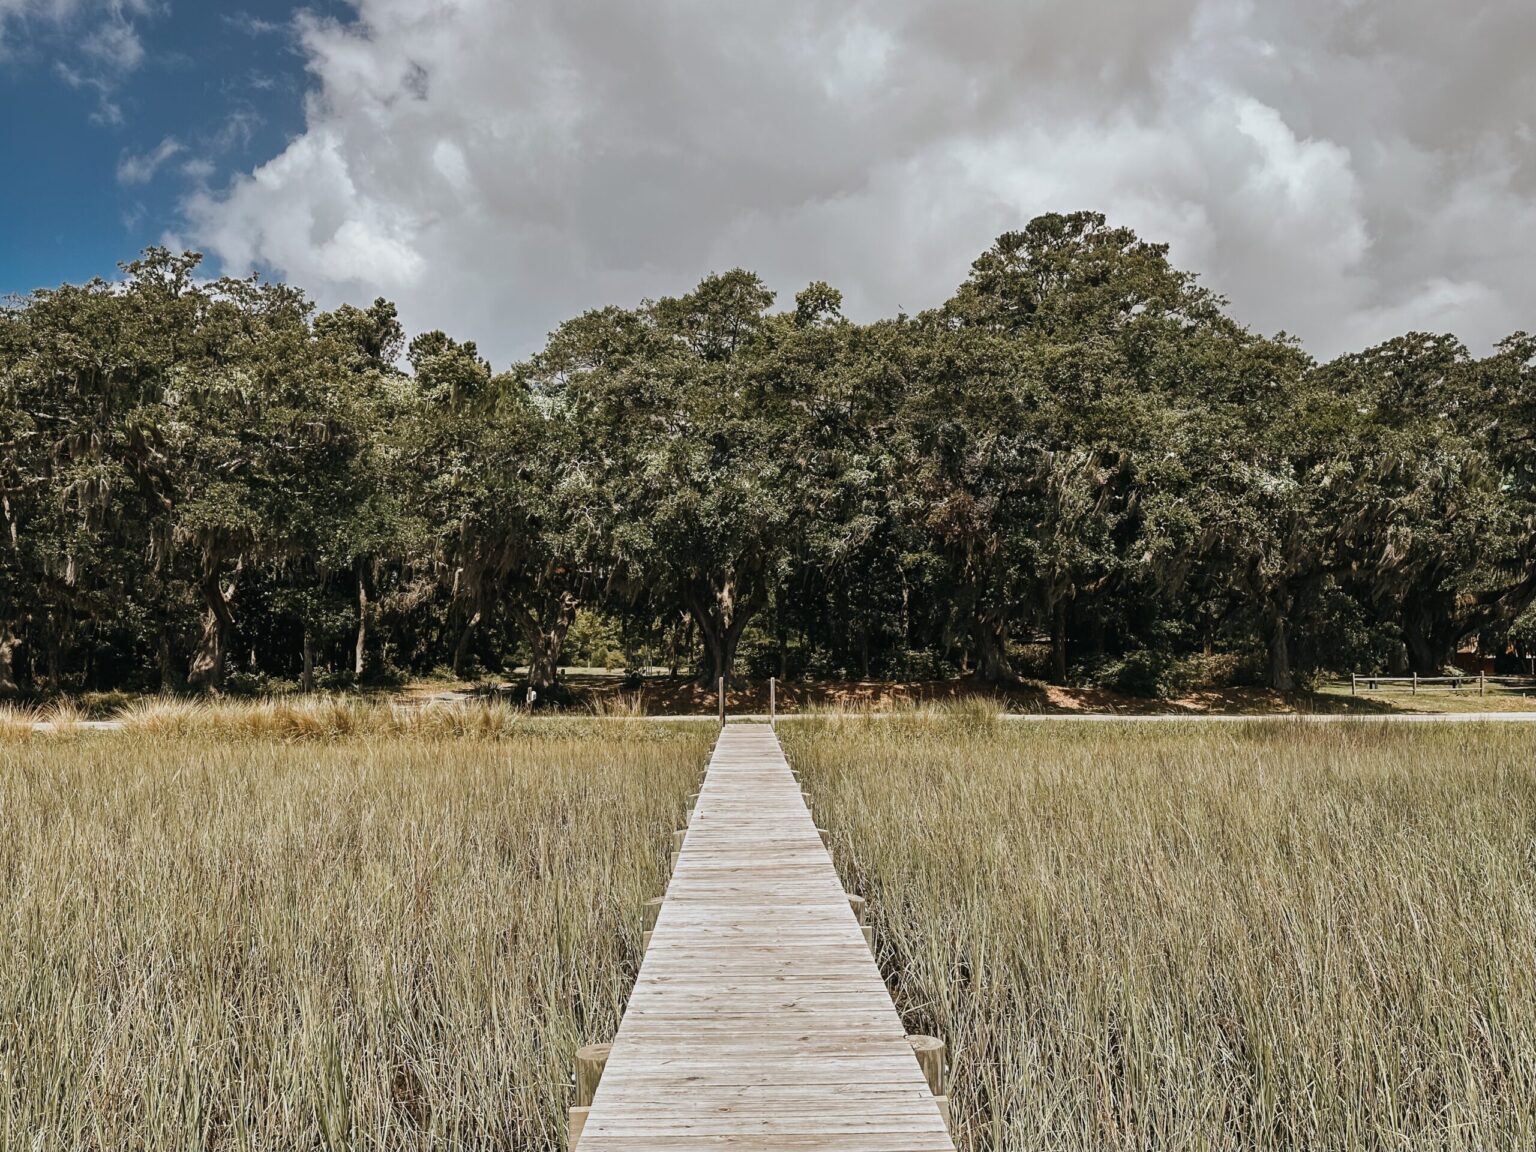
(1254, 936)
(321, 930)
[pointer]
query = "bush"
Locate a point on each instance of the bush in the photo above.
(1145, 672)
(925, 664)
(762, 657)
(248, 684)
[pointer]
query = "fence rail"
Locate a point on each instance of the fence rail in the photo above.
(1481, 681)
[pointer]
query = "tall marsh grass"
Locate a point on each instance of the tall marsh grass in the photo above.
(1259, 936)
(321, 929)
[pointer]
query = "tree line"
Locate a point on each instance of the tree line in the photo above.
(1080, 467)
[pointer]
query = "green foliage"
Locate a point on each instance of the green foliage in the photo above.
(1079, 462)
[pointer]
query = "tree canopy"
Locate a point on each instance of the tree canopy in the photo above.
(1080, 468)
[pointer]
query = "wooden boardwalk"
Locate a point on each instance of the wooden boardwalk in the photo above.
(759, 1020)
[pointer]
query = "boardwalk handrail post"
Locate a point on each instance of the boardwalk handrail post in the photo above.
(929, 1051)
(861, 914)
(1482, 682)
(652, 911)
(1415, 690)
(590, 1060)
(773, 701)
(720, 695)
(1353, 678)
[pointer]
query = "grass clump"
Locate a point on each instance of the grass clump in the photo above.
(321, 929)
(1256, 936)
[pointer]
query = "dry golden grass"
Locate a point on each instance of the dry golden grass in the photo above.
(17, 723)
(1259, 936)
(330, 927)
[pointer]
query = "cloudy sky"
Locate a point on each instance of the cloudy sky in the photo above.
(1344, 170)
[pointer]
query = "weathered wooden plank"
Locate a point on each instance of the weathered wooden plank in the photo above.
(759, 1022)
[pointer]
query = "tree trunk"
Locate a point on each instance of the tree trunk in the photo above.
(51, 660)
(1421, 652)
(546, 637)
(461, 649)
(207, 671)
(168, 678)
(1281, 677)
(714, 664)
(359, 651)
(9, 642)
(1059, 643)
(721, 618)
(992, 665)
(1428, 648)
(307, 684)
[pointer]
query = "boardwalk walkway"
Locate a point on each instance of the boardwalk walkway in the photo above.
(759, 1020)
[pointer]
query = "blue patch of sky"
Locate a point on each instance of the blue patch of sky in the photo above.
(96, 158)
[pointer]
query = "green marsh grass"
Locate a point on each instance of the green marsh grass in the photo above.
(321, 927)
(1259, 936)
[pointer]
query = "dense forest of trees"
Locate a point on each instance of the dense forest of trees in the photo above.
(1079, 468)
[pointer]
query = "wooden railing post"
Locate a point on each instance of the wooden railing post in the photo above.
(652, 910)
(721, 696)
(929, 1051)
(590, 1061)
(773, 702)
(861, 914)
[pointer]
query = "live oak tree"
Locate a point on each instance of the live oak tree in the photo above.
(1438, 513)
(1043, 401)
(1079, 463)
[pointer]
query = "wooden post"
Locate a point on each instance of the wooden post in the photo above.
(590, 1061)
(929, 1051)
(722, 699)
(773, 702)
(589, 1070)
(1352, 679)
(652, 910)
(860, 912)
(1415, 690)
(826, 837)
(1482, 683)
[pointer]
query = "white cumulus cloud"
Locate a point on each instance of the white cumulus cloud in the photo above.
(1343, 172)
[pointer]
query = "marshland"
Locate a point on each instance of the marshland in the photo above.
(323, 927)
(1255, 936)
(334, 925)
